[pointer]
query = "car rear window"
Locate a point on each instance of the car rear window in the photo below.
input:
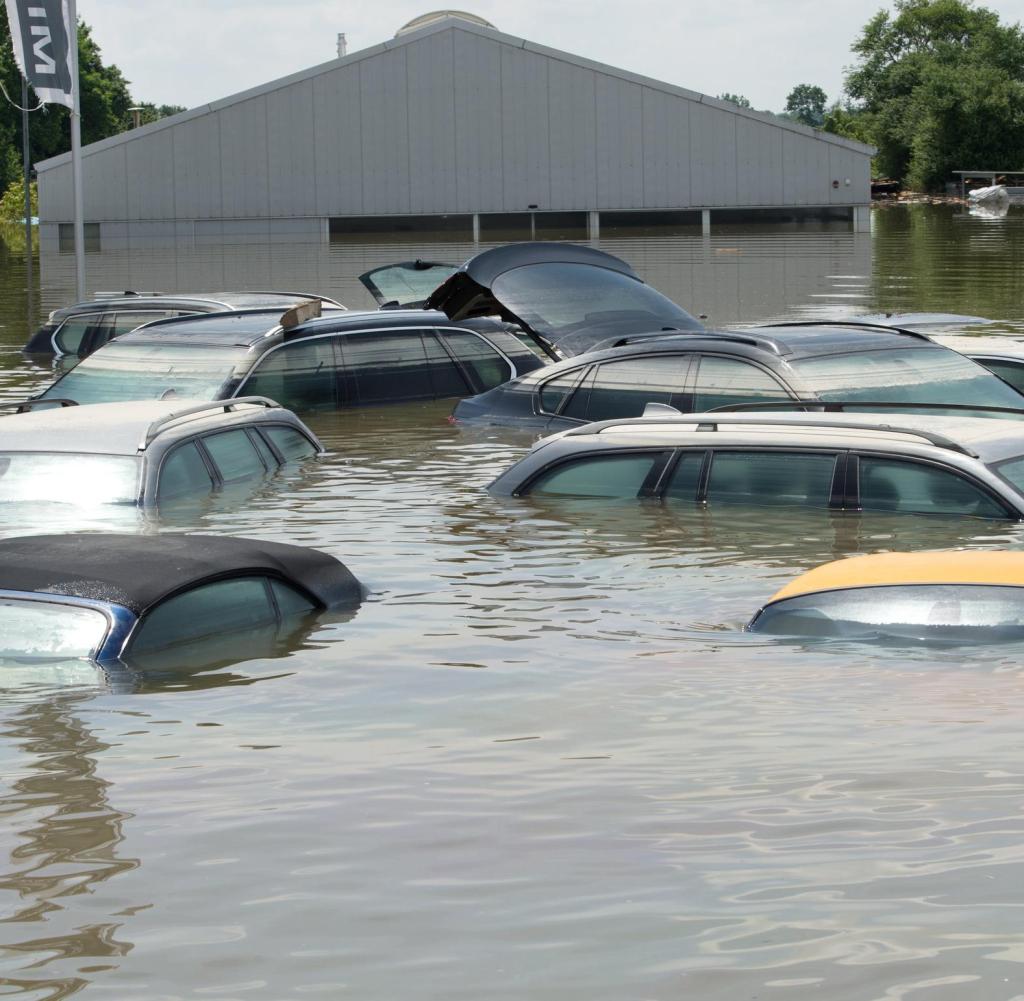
(66, 478)
(45, 629)
(146, 371)
(906, 375)
(924, 611)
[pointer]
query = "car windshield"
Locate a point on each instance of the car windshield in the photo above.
(143, 371)
(951, 612)
(63, 477)
(906, 375)
(408, 284)
(45, 629)
(577, 305)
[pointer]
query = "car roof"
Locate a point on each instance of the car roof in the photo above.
(138, 571)
(989, 439)
(1005, 345)
(793, 343)
(888, 569)
(210, 300)
(370, 320)
(119, 428)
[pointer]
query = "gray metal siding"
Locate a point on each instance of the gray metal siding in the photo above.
(456, 119)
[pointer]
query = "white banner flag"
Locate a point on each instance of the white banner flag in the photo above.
(40, 30)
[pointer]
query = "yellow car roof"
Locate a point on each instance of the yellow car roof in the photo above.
(960, 567)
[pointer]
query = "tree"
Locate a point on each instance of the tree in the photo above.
(105, 102)
(738, 99)
(806, 103)
(942, 84)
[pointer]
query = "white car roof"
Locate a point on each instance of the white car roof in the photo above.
(990, 439)
(108, 428)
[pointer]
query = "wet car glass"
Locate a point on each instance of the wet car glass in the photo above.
(558, 299)
(942, 612)
(904, 376)
(43, 629)
(61, 477)
(138, 371)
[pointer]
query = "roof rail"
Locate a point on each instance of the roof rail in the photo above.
(839, 406)
(849, 323)
(24, 406)
(711, 421)
(735, 336)
(201, 410)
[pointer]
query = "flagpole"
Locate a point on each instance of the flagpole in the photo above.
(76, 150)
(27, 169)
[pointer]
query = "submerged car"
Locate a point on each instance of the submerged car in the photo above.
(110, 598)
(1001, 354)
(862, 366)
(566, 299)
(303, 361)
(964, 596)
(841, 462)
(145, 453)
(79, 329)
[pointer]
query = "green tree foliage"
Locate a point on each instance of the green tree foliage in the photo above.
(105, 104)
(940, 84)
(12, 204)
(806, 103)
(738, 99)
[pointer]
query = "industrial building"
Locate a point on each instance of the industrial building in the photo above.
(452, 128)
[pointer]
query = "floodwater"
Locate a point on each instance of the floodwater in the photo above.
(542, 761)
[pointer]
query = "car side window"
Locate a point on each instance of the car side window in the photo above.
(624, 388)
(685, 478)
(183, 474)
(301, 374)
(234, 455)
(487, 367)
(387, 366)
(292, 444)
(777, 479)
(897, 485)
(72, 332)
(1009, 371)
(616, 475)
(723, 382)
(445, 377)
(223, 606)
(554, 391)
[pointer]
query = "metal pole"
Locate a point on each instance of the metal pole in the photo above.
(76, 152)
(27, 173)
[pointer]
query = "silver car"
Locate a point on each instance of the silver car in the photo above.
(144, 453)
(844, 462)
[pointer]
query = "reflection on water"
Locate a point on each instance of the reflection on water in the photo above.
(543, 760)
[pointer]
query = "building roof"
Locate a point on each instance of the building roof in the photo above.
(888, 569)
(447, 22)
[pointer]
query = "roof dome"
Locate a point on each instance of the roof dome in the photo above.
(439, 15)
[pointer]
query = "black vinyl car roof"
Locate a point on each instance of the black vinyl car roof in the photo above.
(139, 571)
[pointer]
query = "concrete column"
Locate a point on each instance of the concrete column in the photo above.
(862, 218)
(594, 225)
(476, 227)
(705, 221)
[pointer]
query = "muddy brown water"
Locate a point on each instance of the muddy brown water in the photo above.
(542, 761)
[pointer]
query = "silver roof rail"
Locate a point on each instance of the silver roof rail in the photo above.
(710, 422)
(199, 411)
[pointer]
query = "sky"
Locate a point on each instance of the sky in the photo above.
(190, 52)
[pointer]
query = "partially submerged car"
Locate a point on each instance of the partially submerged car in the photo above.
(144, 453)
(958, 466)
(302, 360)
(963, 596)
(79, 329)
(565, 298)
(1001, 354)
(112, 598)
(787, 365)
